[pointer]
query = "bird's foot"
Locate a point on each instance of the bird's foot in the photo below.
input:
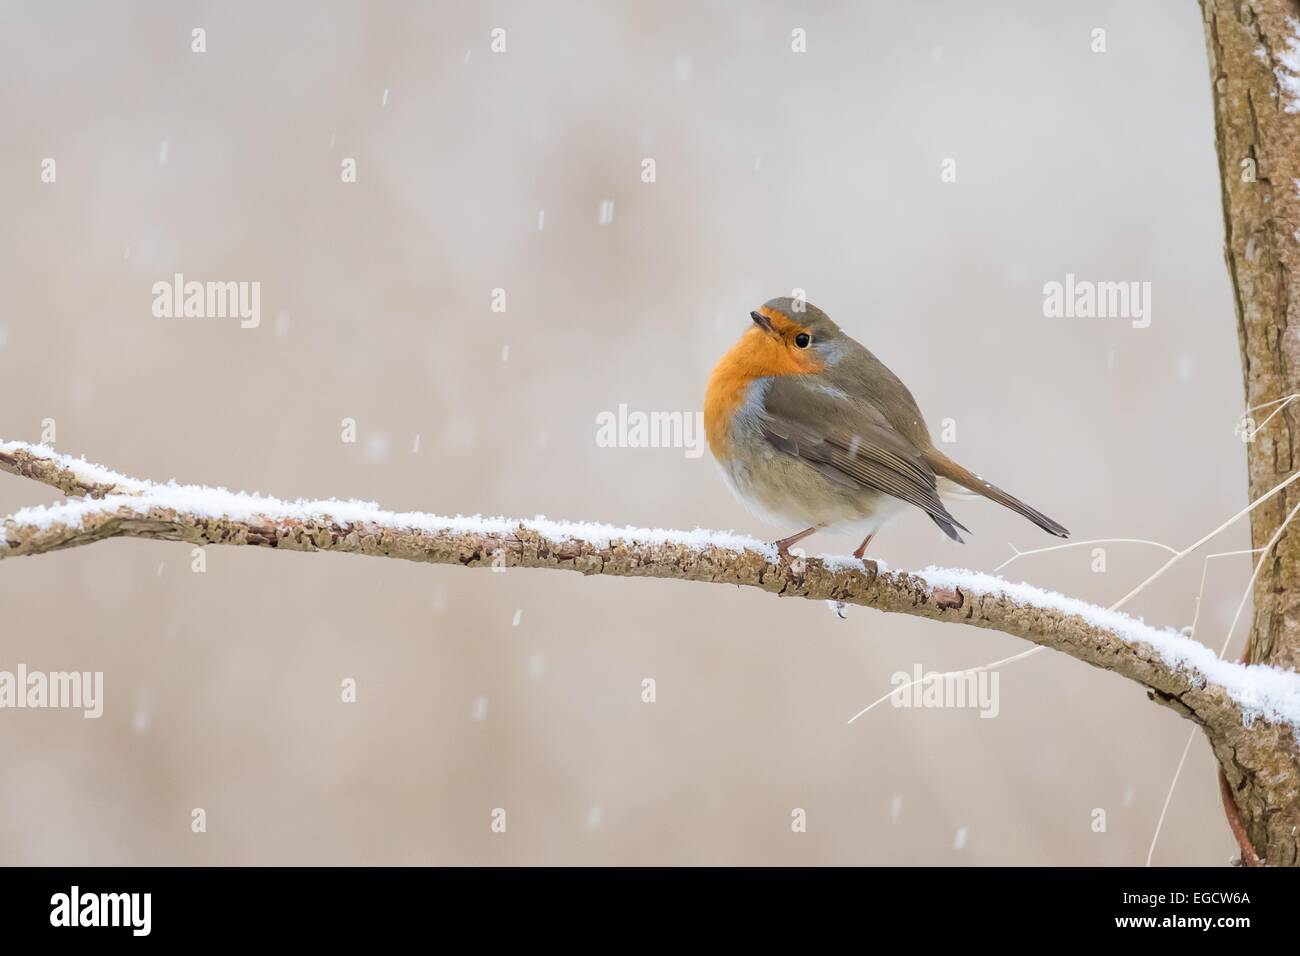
(862, 548)
(783, 544)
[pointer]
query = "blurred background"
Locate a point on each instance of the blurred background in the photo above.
(479, 170)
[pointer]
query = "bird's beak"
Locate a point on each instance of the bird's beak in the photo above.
(761, 321)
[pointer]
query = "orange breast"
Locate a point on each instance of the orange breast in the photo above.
(756, 355)
(725, 394)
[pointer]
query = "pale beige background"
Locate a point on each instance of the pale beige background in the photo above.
(775, 170)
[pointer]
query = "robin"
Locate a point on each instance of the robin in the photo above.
(811, 429)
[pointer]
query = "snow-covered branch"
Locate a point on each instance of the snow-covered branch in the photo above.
(1250, 713)
(1179, 671)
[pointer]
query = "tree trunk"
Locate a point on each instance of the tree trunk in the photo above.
(1254, 50)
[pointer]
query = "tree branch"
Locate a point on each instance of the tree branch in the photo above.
(1178, 672)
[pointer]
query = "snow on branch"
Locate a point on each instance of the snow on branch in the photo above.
(1179, 672)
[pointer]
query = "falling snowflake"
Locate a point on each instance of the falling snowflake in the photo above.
(377, 446)
(142, 719)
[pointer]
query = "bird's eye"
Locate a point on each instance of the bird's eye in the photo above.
(803, 340)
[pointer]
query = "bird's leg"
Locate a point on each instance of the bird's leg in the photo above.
(862, 548)
(783, 545)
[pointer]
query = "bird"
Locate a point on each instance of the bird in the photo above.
(811, 430)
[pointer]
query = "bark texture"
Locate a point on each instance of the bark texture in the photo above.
(1254, 52)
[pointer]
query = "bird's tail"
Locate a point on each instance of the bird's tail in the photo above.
(945, 467)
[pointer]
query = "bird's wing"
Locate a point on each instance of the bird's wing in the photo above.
(851, 443)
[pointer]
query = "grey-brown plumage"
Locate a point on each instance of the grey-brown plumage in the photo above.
(832, 439)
